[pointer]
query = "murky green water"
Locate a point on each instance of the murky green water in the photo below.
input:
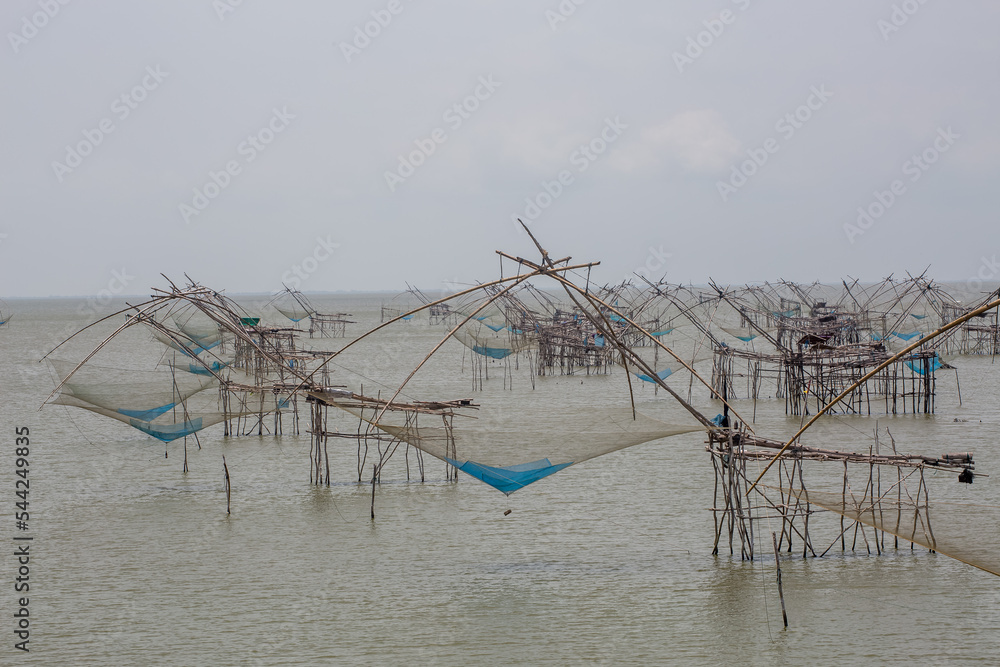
(135, 562)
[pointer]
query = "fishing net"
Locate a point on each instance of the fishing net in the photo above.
(945, 527)
(184, 343)
(293, 305)
(158, 390)
(198, 329)
(505, 446)
(292, 311)
(159, 402)
(663, 363)
(747, 334)
(493, 341)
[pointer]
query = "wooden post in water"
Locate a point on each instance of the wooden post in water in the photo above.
(777, 566)
(228, 487)
(374, 475)
(959, 386)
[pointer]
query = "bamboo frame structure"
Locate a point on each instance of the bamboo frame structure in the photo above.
(736, 512)
(829, 351)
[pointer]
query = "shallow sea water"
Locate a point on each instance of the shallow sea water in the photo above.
(136, 562)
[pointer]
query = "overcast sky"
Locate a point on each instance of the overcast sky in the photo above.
(247, 143)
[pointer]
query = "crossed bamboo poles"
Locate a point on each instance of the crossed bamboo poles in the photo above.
(989, 305)
(225, 313)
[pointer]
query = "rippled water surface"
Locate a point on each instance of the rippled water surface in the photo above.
(136, 562)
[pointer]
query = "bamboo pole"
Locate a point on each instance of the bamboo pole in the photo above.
(225, 468)
(777, 567)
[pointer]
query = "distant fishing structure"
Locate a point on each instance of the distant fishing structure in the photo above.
(5, 314)
(294, 305)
